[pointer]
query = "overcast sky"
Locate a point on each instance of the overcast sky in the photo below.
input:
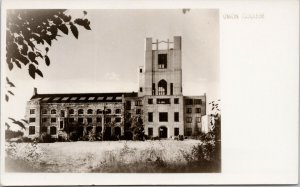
(106, 59)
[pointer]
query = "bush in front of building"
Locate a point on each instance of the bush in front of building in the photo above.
(13, 134)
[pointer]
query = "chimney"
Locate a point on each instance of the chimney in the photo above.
(35, 91)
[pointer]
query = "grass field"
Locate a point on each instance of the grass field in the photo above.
(108, 156)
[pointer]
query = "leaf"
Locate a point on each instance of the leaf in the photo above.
(32, 57)
(38, 54)
(74, 30)
(24, 120)
(47, 49)
(7, 125)
(10, 66)
(31, 70)
(24, 49)
(10, 92)
(20, 124)
(84, 13)
(85, 23)
(47, 60)
(64, 29)
(39, 72)
(12, 119)
(6, 97)
(9, 82)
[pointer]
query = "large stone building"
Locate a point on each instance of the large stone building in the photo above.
(159, 103)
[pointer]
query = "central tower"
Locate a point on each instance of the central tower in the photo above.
(160, 86)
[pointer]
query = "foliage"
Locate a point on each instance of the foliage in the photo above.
(46, 138)
(13, 134)
(21, 123)
(138, 128)
(216, 119)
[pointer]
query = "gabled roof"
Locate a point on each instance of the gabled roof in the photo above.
(82, 97)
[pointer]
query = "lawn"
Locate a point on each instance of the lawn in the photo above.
(107, 156)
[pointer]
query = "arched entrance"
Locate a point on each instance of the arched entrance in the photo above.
(117, 131)
(163, 132)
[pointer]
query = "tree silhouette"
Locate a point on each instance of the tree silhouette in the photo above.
(29, 36)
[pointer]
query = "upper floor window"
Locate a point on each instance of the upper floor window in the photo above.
(162, 87)
(163, 116)
(80, 111)
(150, 101)
(99, 111)
(138, 111)
(141, 89)
(71, 111)
(90, 111)
(189, 110)
(150, 116)
(176, 116)
(118, 111)
(80, 120)
(189, 101)
(90, 120)
(138, 103)
(198, 102)
(44, 111)
(189, 119)
(108, 111)
(162, 61)
(176, 100)
(62, 113)
(53, 120)
(53, 111)
(128, 105)
(31, 120)
(163, 101)
(198, 110)
(118, 120)
(32, 111)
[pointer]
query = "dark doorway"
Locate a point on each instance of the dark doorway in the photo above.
(128, 135)
(163, 132)
(80, 131)
(117, 131)
(107, 133)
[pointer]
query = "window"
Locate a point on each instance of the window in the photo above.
(198, 102)
(52, 130)
(176, 116)
(44, 111)
(189, 110)
(61, 124)
(138, 103)
(71, 111)
(53, 120)
(53, 111)
(176, 101)
(198, 119)
(176, 131)
(118, 111)
(128, 105)
(80, 111)
(141, 89)
(188, 119)
(44, 120)
(118, 120)
(90, 120)
(99, 111)
(150, 131)
(153, 88)
(163, 101)
(141, 70)
(189, 101)
(108, 111)
(198, 110)
(80, 120)
(31, 130)
(162, 87)
(171, 89)
(163, 116)
(150, 101)
(99, 120)
(31, 120)
(107, 120)
(90, 111)
(162, 61)
(71, 120)
(150, 116)
(62, 113)
(188, 131)
(138, 111)
(32, 111)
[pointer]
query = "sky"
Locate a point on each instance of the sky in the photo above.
(106, 59)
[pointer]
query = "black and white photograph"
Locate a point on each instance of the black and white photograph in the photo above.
(184, 92)
(134, 91)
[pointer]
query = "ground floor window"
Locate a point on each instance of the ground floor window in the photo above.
(31, 120)
(61, 124)
(52, 130)
(188, 131)
(176, 131)
(150, 131)
(198, 119)
(31, 130)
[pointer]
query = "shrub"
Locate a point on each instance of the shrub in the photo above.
(46, 138)
(74, 136)
(26, 139)
(13, 134)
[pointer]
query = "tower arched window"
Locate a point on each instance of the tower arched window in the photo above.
(80, 111)
(162, 87)
(53, 111)
(71, 111)
(90, 111)
(99, 111)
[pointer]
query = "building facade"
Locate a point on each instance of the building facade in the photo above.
(159, 103)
